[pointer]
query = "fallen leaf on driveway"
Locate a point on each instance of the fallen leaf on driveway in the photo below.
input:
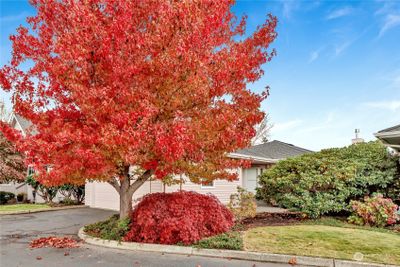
(53, 241)
(38, 258)
(292, 261)
(66, 253)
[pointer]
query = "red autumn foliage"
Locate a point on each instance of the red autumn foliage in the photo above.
(53, 241)
(169, 218)
(159, 85)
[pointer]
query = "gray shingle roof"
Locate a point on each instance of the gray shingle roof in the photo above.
(274, 150)
(391, 129)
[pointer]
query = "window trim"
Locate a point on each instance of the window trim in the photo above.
(208, 186)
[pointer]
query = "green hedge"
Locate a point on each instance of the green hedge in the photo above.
(230, 240)
(5, 197)
(111, 229)
(325, 182)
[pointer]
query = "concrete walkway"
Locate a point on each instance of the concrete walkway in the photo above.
(263, 207)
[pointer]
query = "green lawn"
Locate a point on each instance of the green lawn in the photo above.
(325, 241)
(22, 207)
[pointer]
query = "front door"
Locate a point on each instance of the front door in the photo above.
(250, 179)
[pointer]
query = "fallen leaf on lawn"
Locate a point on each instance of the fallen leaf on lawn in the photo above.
(292, 261)
(53, 241)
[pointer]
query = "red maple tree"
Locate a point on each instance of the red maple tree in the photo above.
(12, 167)
(158, 85)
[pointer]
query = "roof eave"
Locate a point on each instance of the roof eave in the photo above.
(252, 158)
(388, 134)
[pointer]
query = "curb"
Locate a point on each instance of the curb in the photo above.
(230, 254)
(42, 210)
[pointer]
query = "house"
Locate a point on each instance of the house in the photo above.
(23, 125)
(390, 137)
(103, 195)
(263, 156)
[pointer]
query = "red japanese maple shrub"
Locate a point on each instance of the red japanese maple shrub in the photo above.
(169, 218)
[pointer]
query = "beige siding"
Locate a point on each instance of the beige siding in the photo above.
(222, 189)
(103, 195)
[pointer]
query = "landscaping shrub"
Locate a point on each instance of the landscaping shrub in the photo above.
(75, 191)
(185, 217)
(374, 211)
(67, 201)
(6, 197)
(230, 240)
(242, 204)
(45, 192)
(22, 197)
(111, 229)
(325, 182)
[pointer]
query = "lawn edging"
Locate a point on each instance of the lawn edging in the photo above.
(230, 254)
(42, 210)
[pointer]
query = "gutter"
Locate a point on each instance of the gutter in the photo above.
(252, 158)
(389, 134)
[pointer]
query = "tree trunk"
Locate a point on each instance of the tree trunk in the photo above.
(125, 190)
(125, 199)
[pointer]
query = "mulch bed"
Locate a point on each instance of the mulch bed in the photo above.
(273, 219)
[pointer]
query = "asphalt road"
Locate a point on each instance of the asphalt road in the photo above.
(16, 232)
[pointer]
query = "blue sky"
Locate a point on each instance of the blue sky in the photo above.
(337, 66)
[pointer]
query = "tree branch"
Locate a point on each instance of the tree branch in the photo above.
(114, 183)
(140, 181)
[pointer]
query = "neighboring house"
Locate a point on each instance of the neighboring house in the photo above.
(263, 156)
(390, 137)
(23, 125)
(19, 123)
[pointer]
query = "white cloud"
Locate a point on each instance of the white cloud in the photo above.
(313, 56)
(327, 123)
(392, 105)
(284, 126)
(339, 13)
(343, 46)
(288, 7)
(391, 21)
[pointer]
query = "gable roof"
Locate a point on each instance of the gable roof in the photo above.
(22, 122)
(390, 137)
(274, 151)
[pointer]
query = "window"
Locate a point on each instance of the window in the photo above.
(31, 170)
(207, 184)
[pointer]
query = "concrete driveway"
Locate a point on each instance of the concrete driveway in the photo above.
(16, 232)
